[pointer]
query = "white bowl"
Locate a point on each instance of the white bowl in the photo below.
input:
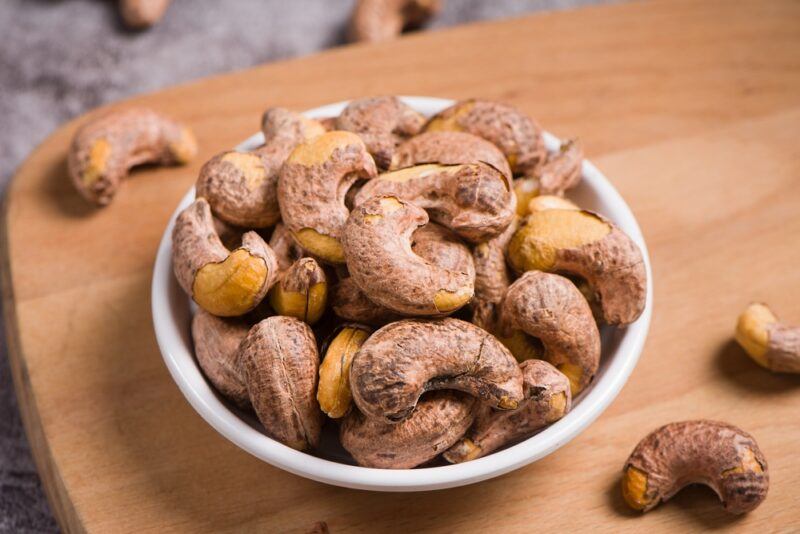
(621, 348)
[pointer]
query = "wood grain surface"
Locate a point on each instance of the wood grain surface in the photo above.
(692, 108)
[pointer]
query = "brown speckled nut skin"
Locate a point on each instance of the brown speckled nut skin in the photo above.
(562, 170)
(441, 418)
(284, 129)
(287, 251)
(492, 277)
(688, 452)
(492, 429)
(549, 307)
(381, 20)
(402, 360)
(474, 200)
(351, 304)
(216, 346)
(376, 242)
(783, 354)
(131, 137)
(514, 133)
(383, 122)
(279, 359)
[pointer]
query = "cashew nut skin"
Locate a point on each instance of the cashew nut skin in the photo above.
(439, 420)
(216, 346)
(140, 14)
(377, 245)
(286, 249)
(402, 360)
(383, 122)
(280, 362)
(588, 245)
(491, 277)
(562, 170)
(474, 199)
(284, 129)
(105, 149)
(333, 392)
(547, 399)
(312, 187)
(222, 282)
(514, 133)
(381, 20)
(769, 342)
(301, 291)
(550, 308)
(720, 455)
(351, 304)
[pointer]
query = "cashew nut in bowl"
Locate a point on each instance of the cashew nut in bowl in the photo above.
(381, 20)
(279, 360)
(105, 149)
(551, 309)
(550, 202)
(719, 455)
(769, 342)
(491, 277)
(286, 249)
(590, 246)
(383, 122)
(221, 282)
(312, 187)
(377, 245)
(438, 421)
(351, 304)
(562, 169)
(216, 346)
(284, 129)
(474, 200)
(547, 399)
(402, 360)
(333, 392)
(301, 291)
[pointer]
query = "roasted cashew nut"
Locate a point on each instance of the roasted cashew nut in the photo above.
(439, 420)
(312, 187)
(216, 346)
(381, 20)
(550, 202)
(474, 200)
(551, 309)
(284, 129)
(562, 170)
(351, 304)
(301, 291)
(719, 455)
(286, 249)
(333, 392)
(377, 245)
(279, 360)
(221, 282)
(402, 360)
(105, 149)
(770, 343)
(491, 277)
(547, 399)
(588, 245)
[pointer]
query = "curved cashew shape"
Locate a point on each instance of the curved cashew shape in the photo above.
(333, 392)
(402, 360)
(301, 291)
(547, 399)
(562, 170)
(474, 199)
(381, 20)
(590, 246)
(720, 455)
(279, 360)
(221, 282)
(312, 187)
(491, 277)
(770, 343)
(513, 132)
(105, 149)
(377, 244)
(550, 308)
(216, 346)
(439, 420)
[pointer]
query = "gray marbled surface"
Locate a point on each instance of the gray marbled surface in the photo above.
(60, 58)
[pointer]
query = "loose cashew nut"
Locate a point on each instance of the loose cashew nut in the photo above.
(221, 282)
(333, 392)
(439, 420)
(301, 291)
(590, 246)
(312, 187)
(547, 399)
(381, 20)
(140, 14)
(402, 360)
(550, 308)
(279, 360)
(491, 277)
(770, 343)
(216, 346)
(377, 244)
(719, 455)
(106, 148)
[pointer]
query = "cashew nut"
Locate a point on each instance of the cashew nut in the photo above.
(381, 20)
(525, 190)
(383, 122)
(140, 14)
(590, 246)
(772, 344)
(514, 133)
(333, 392)
(562, 170)
(377, 245)
(221, 282)
(286, 249)
(550, 202)
(284, 129)
(547, 399)
(551, 309)
(402, 360)
(474, 200)
(301, 291)
(312, 187)
(491, 277)
(216, 346)
(351, 304)
(105, 149)
(719, 455)
(279, 360)
(439, 420)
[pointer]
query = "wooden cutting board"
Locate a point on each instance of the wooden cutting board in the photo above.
(691, 108)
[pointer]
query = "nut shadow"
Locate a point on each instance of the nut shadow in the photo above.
(736, 366)
(60, 192)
